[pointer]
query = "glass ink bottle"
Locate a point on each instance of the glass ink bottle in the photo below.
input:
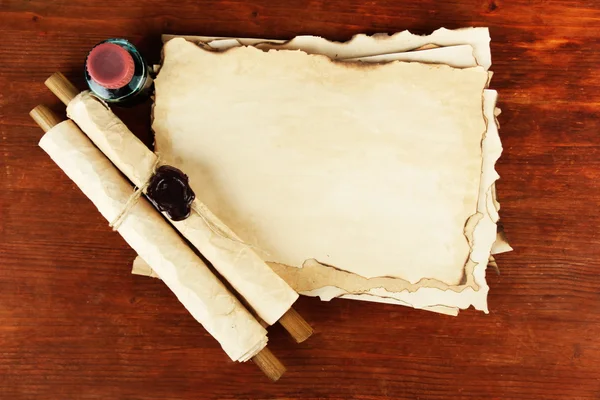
(116, 72)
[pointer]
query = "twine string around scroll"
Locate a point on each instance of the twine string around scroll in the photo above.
(133, 199)
(139, 191)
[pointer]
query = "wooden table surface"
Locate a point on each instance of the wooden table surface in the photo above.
(74, 324)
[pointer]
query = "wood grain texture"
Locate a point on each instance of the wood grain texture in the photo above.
(74, 324)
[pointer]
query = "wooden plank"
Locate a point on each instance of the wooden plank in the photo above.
(75, 324)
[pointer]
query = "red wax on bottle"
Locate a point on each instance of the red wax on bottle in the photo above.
(110, 65)
(117, 73)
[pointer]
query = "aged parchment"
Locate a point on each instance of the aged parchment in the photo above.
(455, 54)
(144, 229)
(343, 173)
(480, 42)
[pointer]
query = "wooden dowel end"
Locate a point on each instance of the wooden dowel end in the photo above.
(296, 326)
(44, 117)
(61, 87)
(269, 364)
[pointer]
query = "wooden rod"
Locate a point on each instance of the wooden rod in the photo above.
(45, 117)
(269, 364)
(61, 87)
(297, 327)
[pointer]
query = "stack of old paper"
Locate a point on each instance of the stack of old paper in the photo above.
(360, 170)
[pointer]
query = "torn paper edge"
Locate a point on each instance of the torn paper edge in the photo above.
(362, 45)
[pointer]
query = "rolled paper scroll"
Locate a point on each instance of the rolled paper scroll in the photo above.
(206, 298)
(269, 295)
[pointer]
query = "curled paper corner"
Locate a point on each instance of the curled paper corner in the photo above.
(140, 267)
(501, 245)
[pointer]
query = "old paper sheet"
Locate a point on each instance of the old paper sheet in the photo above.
(481, 47)
(456, 55)
(144, 229)
(245, 270)
(297, 229)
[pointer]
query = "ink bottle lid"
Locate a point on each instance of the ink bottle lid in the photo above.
(116, 72)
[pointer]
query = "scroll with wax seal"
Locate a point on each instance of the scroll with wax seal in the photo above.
(240, 335)
(268, 294)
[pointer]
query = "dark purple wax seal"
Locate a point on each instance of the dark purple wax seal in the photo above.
(170, 192)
